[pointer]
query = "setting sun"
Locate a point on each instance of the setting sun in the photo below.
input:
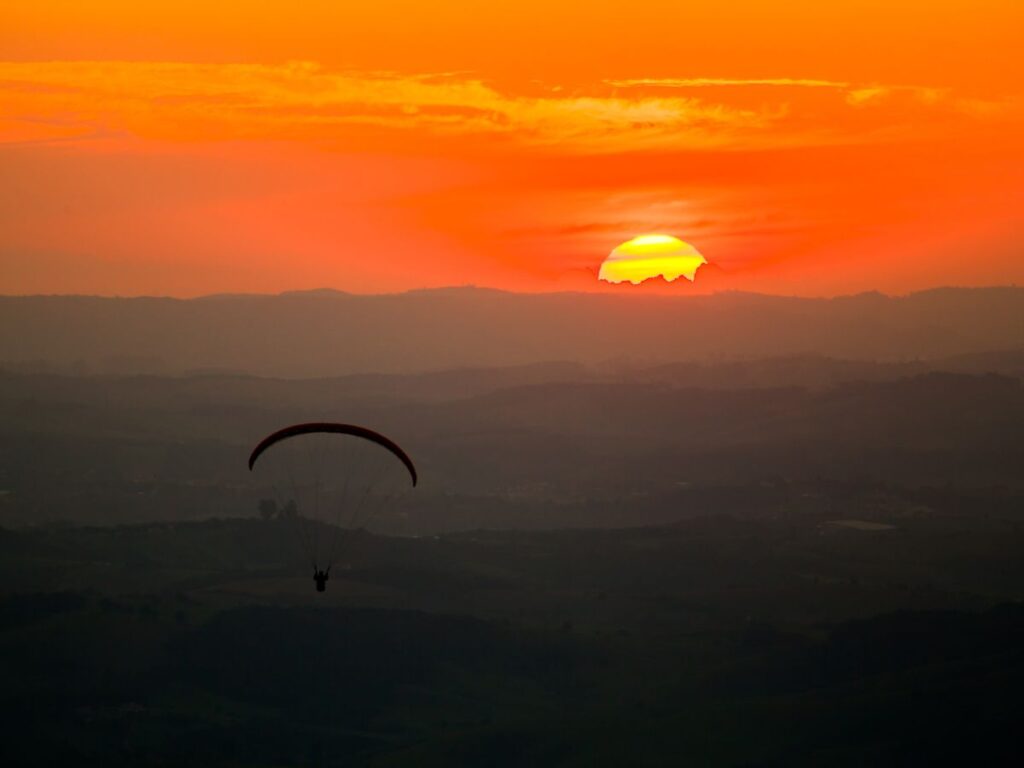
(648, 256)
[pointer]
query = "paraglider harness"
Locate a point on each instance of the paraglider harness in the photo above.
(321, 577)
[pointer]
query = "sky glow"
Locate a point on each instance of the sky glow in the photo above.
(170, 148)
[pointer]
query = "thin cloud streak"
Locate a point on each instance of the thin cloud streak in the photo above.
(713, 82)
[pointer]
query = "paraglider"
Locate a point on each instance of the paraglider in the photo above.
(321, 577)
(332, 477)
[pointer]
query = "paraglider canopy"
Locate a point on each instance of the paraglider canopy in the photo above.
(328, 427)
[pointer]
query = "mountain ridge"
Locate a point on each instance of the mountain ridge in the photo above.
(302, 335)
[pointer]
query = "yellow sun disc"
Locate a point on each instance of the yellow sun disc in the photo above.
(650, 256)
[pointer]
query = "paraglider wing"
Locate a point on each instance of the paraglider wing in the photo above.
(321, 427)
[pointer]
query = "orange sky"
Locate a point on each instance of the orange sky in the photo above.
(823, 148)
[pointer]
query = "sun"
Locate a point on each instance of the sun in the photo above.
(648, 256)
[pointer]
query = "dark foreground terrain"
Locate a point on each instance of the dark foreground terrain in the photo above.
(716, 641)
(796, 561)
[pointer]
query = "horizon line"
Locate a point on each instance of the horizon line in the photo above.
(328, 292)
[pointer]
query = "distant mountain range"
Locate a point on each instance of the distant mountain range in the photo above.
(329, 333)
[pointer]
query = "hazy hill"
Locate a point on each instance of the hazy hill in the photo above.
(545, 450)
(329, 334)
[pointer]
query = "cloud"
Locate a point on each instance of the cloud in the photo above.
(302, 101)
(855, 94)
(861, 96)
